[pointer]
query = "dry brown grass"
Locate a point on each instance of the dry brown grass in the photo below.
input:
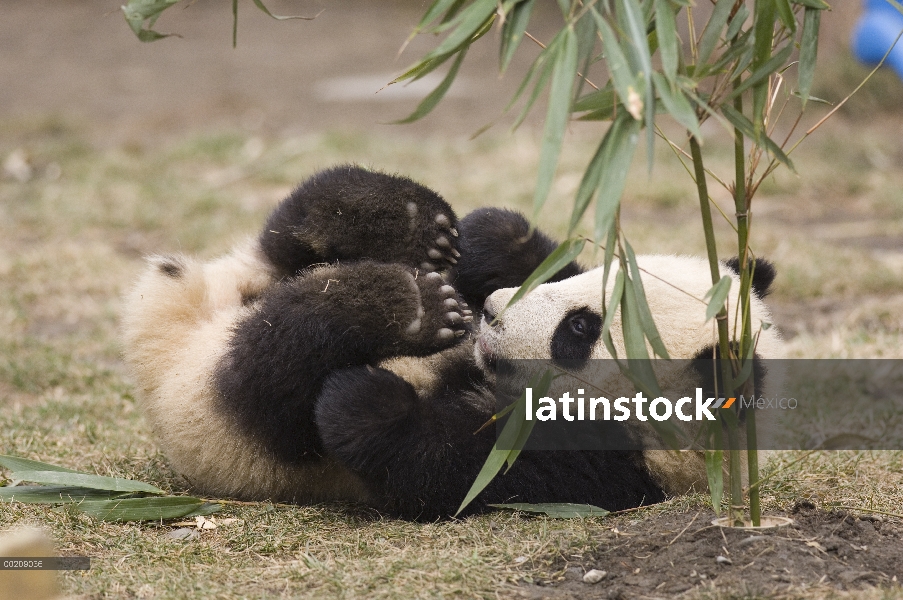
(72, 235)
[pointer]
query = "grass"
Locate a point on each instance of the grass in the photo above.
(71, 241)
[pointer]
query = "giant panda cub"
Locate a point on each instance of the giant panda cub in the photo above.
(337, 356)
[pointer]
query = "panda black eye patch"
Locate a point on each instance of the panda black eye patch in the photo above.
(575, 337)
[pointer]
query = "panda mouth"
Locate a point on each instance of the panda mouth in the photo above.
(489, 358)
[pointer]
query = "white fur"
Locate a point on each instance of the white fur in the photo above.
(175, 331)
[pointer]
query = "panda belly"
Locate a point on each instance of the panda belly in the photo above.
(213, 452)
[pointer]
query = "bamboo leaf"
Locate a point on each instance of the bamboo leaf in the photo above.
(43, 494)
(557, 510)
(513, 31)
(560, 90)
(506, 448)
(621, 75)
(718, 294)
(494, 463)
(589, 183)
(763, 37)
(712, 32)
(808, 52)
(714, 459)
(633, 13)
(648, 323)
(259, 4)
(147, 509)
(434, 97)
(137, 12)
(542, 70)
(746, 128)
(762, 73)
(616, 295)
(634, 340)
(424, 66)
(622, 139)
(677, 105)
(436, 8)
(737, 22)
(785, 14)
(540, 389)
(562, 255)
(472, 19)
(603, 100)
(96, 482)
(14, 463)
(234, 23)
(666, 30)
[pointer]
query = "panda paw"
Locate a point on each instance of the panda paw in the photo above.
(438, 238)
(442, 318)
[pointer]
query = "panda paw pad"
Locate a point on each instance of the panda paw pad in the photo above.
(439, 241)
(446, 317)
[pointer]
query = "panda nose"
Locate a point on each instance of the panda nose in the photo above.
(489, 315)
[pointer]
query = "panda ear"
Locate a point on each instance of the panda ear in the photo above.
(763, 274)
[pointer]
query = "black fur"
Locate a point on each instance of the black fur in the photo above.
(351, 213)
(575, 337)
(763, 274)
(309, 326)
(300, 372)
(421, 455)
(499, 251)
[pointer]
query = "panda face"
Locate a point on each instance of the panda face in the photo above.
(562, 321)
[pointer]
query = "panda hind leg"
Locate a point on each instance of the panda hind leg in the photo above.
(351, 213)
(416, 454)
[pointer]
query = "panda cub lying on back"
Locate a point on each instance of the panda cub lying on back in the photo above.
(328, 359)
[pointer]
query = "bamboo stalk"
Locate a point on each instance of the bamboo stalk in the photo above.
(721, 319)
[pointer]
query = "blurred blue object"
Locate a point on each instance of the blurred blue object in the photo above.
(877, 29)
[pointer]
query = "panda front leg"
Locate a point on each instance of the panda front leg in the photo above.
(351, 213)
(303, 329)
(499, 250)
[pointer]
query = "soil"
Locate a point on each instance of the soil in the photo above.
(676, 554)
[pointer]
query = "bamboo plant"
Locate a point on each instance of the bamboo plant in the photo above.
(731, 68)
(735, 64)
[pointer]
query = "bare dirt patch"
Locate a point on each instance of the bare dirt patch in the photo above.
(685, 554)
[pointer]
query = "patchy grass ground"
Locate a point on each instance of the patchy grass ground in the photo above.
(75, 219)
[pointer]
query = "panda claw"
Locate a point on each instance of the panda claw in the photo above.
(466, 312)
(459, 332)
(454, 231)
(445, 334)
(451, 260)
(456, 253)
(467, 318)
(434, 254)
